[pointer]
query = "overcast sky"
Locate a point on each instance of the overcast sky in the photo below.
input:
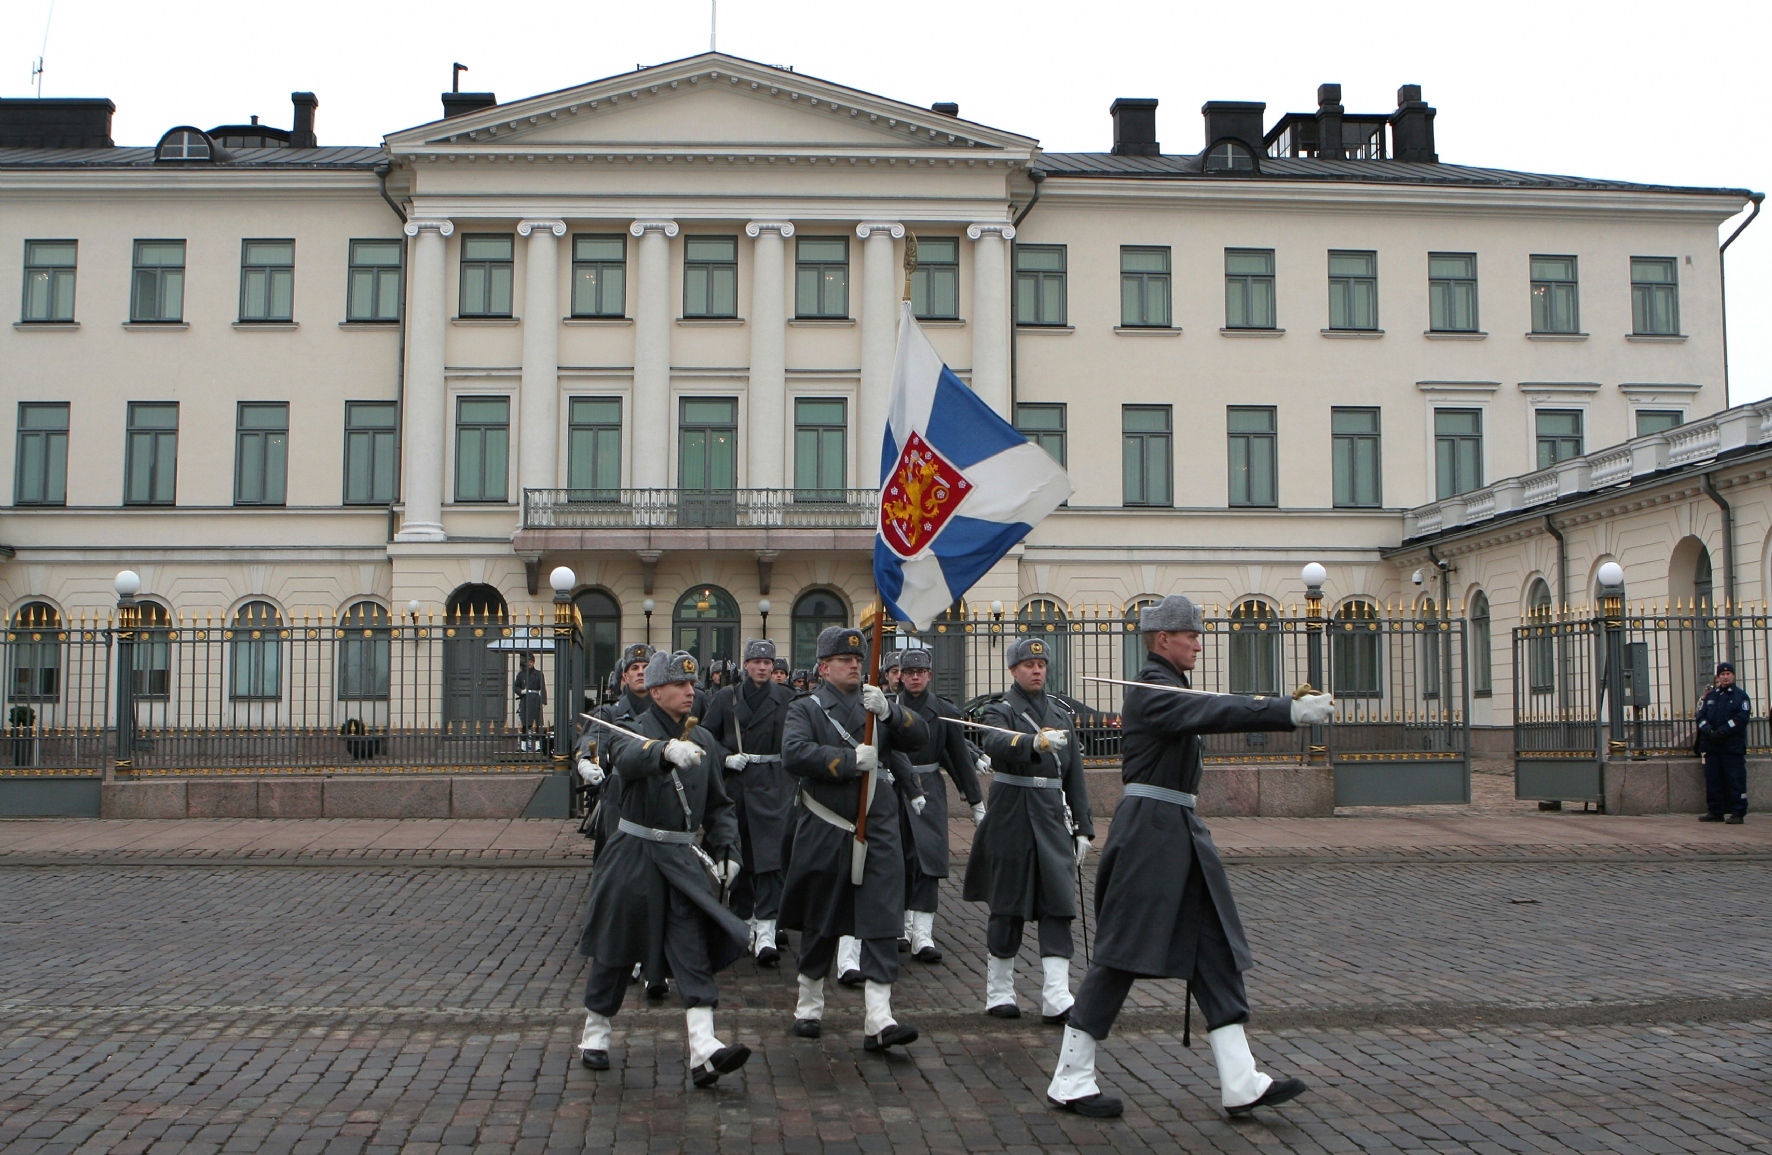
(1673, 94)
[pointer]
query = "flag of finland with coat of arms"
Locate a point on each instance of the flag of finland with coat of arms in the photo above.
(958, 485)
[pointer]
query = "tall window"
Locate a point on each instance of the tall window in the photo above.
(1554, 301)
(1039, 284)
(1559, 435)
(935, 283)
(1255, 649)
(1357, 464)
(150, 472)
(36, 667)
(267, 281)
(1043, 619)
(1541, 655)
(1427, 617)
(372, 452)
(1481, 643)
(710, 276)
(152, 675)
(814, 612)
(1654, 296)
(821, 277)
(1254, 455)
(1144, 287)
(42, 454)
(820, 439)
(1249, 289)
(1658, 420)
(482, 448)
(365, 652)
(1353, 290)
(486, 272)
(1145, 462)
(1452, 292)
(593, 448)
(373, 286)
(157, 286)
(1458, 451)
(1132, 655)
(1356, 651)
(261, 453)
(705, 623)
(256, 642)
(1043, 424)
(599, 275)
(707, 445)
(49, 280)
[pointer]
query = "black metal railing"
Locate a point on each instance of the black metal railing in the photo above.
(700, 508)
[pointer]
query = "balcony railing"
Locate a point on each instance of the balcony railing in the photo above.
(700, 509)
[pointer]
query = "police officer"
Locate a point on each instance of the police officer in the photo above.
(655, 896)
(1723, 715)
(1027, 850)
(826, 747)
(531, 690)
(1163, 904)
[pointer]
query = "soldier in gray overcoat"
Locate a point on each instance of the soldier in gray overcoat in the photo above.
(655, 896)
(1036, 831)
(631, 701)
(1163, 904)
(825, 746)
(925, 834)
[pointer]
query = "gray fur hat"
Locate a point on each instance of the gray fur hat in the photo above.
(892, 660)
(915, 658)
(638, 652)
(1174, 614)
(837, 641)
(1027, 650)
(665, 669)
(759, 648)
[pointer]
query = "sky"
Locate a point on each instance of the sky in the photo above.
(1623, 90)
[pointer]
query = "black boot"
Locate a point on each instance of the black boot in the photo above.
(723, 1062)
(808, 1028)
(594, 1060)
(1282, 1091)
(1096, 1106)
(896, 1035)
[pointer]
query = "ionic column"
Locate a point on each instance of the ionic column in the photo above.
(652, 354)
(990, 312)
(538, 404)
(768, 389)
(425, 422)
(880, 285)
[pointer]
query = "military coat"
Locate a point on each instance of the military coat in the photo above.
(946, 751)
(763, 789)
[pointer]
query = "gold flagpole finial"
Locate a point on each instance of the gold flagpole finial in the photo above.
(910, 261)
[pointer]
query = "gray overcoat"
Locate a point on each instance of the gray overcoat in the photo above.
(946, 751)
(593, 742)
(764, 791)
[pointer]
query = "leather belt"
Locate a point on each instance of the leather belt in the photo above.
(1158, 794)
(650, 834)
(1029, 783)
(930, 769)
(821, 811)
(761, 759)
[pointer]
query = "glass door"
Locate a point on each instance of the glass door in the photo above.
(707, 462)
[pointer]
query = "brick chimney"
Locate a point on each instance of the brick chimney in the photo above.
(1135, 126)
(301, 132)
(1329, 113)
(1412, 127)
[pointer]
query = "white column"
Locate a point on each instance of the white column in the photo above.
(424, 422)
(538, 405)
(880, 295)
(766, 429)
(990, 313)
(652, 355)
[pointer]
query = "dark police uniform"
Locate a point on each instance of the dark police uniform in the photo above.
(1723, 716)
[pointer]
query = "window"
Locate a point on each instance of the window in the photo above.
(151, 676)
(1356, 650)
(486, 275)
(1229, 156)
(1654, 297)
(42, 454)
(267, 281)
(707, 457)
(157, 293)
(365, 653)
(373, 288)
(1353, 290)
(1452, 292)
(482, 447)
(820, 439)
(814, 612)
(49, 281)
(1482, 639)
(1039, 284)
(256, 642)
(935, 282)
(1542, 655)
(151, 455)
(1658, 420)
(1428, 639)
(1145, 473)
(372, 452)
(1554, 305)
(821, 277)
(1458, 451)
(705, 623)
(1043, 425)
(184, 144)
(593, 448)
(1254, 649)
(1254, 455)
(1133, 654)
(599, 275)
(1144, 287)
(36, 653)
(1559, 435)
(1249, 289)
(261, 453)
(710, 276)
(1355, 434)
(1043, 619)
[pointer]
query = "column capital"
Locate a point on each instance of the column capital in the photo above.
(754, 228)
(440, 227)
(995, 228)
(641, 228)
(894, 228)
(558, 228)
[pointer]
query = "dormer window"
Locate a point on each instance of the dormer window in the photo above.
(185, 144)
(1230, 156)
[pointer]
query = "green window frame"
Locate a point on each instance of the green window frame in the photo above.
(1658, 420)
(151, 677)
(256, 647)
(1353, 289)
(821, 278)
(150, 470)
(593, 448)
(50, 267)
(482, 449)
(1358, 463)
(365, 653)
(1452, 292)
(1655, 296)
(1040, 285)
(1556, 300)
(1145, 296)
(261, 453)
(707, 444)
(1252, 431)
(1147, 475)
(373, 283)
(1559, 435)
(488, 266)
(821, 453)
(599, 275)
(1482, 646)
(267, 281)
(710, 277)
(157, 283)
(935, 282)
(372, 452)
(42, 470)
(1254, 649)
(1458, 451)
(1043, 423)
(1356, 651)
(1249, 289)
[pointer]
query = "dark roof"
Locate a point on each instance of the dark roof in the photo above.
(338, 157)
(1184, 167)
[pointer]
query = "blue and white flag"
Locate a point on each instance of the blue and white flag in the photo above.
(958, 485)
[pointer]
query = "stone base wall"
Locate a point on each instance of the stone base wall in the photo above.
(467, 796)
(1675, 786)
(1225, 792)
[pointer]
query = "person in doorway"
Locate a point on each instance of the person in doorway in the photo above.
(531, 690)
(1723, 715)
(925, 833)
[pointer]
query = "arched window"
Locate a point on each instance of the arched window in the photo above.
(600, 639)
(1230, 156)
(1255, 649)
(1041, 618)
(153, 652)
(475, 602)
(1134, 646)
(1704, 639)
(365, 652)
(256, 641)
(1427, 634)
(1356, 651)
(1482, 664)
(36, 653)
(814, 612)
(705, 623)
(185, 143)
(1542, 648)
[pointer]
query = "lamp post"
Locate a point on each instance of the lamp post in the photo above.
(1611, 580)
(412, 608)
(565, 648)
(996, 622)
(1314, 576)
(763, 607)
(127, 584)
(647, 607)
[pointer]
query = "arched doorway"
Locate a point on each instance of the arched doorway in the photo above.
(474, 677)
(599, 642)
(814, 612)
(705, 623)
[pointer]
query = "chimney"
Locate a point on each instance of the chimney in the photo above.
(301, 135)
(945, 107)
(1412, 127)
(56, 123)
(1238, 120)
(1329, 111)
(461, 103)
(1135, 126)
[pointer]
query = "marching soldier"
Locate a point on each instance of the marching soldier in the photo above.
(748, 719)
(631, 701)
(824, 745)
(531, 690)
(655, 897)
(889, 670)
(780, 673)
(1163, 903)
(1028, 849)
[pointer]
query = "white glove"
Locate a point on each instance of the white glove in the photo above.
(727, 870)
(983, 765)
(737, 761)
(1083, 845)
(590, 772)
(977, 813)
(919, 802)
(1055, 740)
(1313, 710)
(873, 700)
(682, 754)
(867, 758)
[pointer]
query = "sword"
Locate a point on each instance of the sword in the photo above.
(1303, 690)
(997, 729)
(612, 726)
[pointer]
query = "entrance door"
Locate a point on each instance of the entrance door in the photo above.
(600, 642)
(706, 624)
(475, 682)
(707, 462)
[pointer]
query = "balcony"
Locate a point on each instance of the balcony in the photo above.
(568, 519)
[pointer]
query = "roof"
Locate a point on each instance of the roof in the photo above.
(337, 157)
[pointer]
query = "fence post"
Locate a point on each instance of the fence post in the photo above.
(1314, 575)
(1611, 577)
(565, 650)
(127, 585)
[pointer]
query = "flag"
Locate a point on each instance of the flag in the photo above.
(958, 485)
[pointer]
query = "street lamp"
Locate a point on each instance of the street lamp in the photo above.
(647, 607)
(1611, 582)
(128, 583)
(412, 610)
(996, 622)
(563, 579)
(1314, 576)
(763, 607)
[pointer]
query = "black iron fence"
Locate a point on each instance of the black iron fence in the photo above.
(809, 508)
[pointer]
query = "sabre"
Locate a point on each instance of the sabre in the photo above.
(612, 726)
(1302, 691)
(996, 729)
